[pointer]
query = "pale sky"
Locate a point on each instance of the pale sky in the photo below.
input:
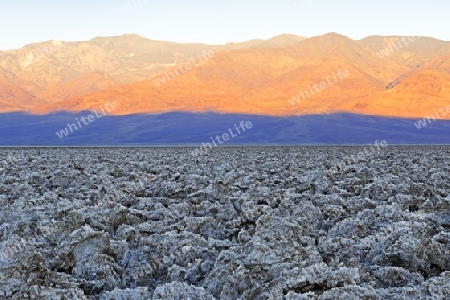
(29, 21)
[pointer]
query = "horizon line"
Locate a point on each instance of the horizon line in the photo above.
(215, 44)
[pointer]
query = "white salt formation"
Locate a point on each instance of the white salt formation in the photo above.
(235, 223)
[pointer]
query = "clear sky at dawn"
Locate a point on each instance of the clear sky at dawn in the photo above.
(211, 22)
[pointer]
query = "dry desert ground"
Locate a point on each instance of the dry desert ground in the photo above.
(234, 223)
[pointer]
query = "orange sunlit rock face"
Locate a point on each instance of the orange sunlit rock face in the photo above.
(287, 75)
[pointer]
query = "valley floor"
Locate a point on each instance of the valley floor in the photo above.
(233, 223)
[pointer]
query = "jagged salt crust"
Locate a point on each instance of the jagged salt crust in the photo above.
(235, 223)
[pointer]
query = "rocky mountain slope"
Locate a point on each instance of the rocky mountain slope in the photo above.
(286, 75)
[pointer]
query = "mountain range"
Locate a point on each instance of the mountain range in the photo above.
(285, 76)
(388, 76)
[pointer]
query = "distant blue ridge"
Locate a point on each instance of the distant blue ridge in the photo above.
(179, 128)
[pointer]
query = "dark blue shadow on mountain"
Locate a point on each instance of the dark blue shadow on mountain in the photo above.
(179, 128)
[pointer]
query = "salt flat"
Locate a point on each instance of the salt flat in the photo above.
(234, 223)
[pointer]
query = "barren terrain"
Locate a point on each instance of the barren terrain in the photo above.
(287, 75)
(235, 223)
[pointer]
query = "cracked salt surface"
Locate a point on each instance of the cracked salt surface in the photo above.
(235, 223)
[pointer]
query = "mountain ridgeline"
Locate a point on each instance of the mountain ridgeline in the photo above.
(319, 90)
(284, 76)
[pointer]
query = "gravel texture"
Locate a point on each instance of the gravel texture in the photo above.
(235, 223)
